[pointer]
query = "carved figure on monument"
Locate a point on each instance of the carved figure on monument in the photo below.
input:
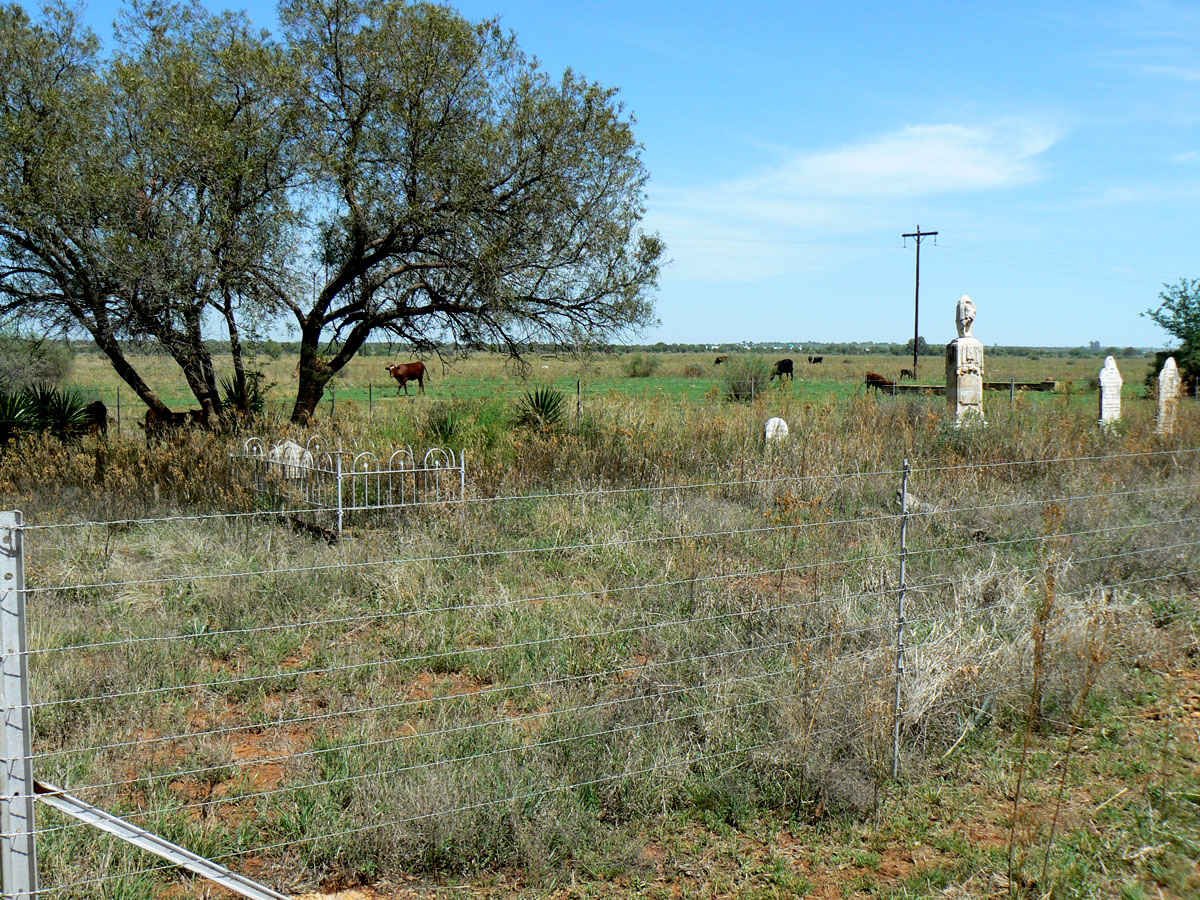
(1169, 384)
(964, 316)
(1110, 393)
(964, 366)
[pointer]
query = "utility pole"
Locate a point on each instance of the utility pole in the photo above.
(916, 236)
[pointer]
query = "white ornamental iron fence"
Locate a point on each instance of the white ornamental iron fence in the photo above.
(336, 486)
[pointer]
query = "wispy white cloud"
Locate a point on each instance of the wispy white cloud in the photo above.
(766, 222)
(1186, 158)
(1180, 73)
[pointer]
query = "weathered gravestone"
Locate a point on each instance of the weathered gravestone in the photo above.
(775, 430)
(1168, 396)
(964, 367)
(1110, 393)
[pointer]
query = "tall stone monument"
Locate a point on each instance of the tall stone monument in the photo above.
(1110, 393)
(964, 367)
(1168, 396)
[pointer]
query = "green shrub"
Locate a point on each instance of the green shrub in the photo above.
(746, 377)
(639, 365)
(444, 422)
(542, 408)
(25, 362)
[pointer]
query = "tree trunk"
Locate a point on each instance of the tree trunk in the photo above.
(112, 349)
(241, 394)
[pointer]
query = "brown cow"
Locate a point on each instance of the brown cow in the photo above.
(877, 381)
(404, 372)
(160, 424)
(724, 357)
(908, 373)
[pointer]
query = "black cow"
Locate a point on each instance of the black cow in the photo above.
(816, 359)
(724, 357)
(782, 369)
(95, 418)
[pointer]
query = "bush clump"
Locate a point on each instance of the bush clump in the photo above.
(746, 377)
(639, 365)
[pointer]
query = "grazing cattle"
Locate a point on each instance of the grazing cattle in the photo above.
(724, 357)
(877, 381)
(816, 359)
(95, 418)
(160, 424)
(405, 372)
(782, 369)
(908, 373)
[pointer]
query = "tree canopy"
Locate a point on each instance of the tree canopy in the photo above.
(1178, 313)
(381, 167)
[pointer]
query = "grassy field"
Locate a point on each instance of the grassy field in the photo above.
(651, 656)
(675, 375)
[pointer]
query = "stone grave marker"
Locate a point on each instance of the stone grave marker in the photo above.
(1110, 393)
(964, 367)
(1168, 396)
(775, 430)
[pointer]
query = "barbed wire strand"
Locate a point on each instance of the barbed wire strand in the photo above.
(600, 545)
(325, 670)
(599, 491)
(600, 591)
(500, 751)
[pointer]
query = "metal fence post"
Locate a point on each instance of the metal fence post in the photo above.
(18, 851)
(337, 467)
(900, 618)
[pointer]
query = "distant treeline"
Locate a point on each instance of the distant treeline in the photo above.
(275, 349)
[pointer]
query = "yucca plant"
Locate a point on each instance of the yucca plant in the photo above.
(544, 407)
(14, 416)
(250, 400)
(62, 413)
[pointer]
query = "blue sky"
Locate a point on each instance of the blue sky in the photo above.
(1054, 147)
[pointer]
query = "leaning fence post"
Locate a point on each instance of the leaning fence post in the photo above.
(900, 620)
(18, 851)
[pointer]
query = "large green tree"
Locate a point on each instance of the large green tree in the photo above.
(458, 192)
(1178, 313)
(146, 195)
(387, 168)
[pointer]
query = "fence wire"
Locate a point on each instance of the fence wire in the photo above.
(776, 649)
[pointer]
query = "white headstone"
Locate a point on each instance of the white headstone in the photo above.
(776, 430)
(964, 366)
(1168, 396)
(1110, 392)
(291, 458)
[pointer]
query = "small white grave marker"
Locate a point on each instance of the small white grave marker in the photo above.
(776, 430)
(1110, 392)
(1168, 396)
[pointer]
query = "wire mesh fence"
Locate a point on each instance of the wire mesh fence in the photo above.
(507, 670)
